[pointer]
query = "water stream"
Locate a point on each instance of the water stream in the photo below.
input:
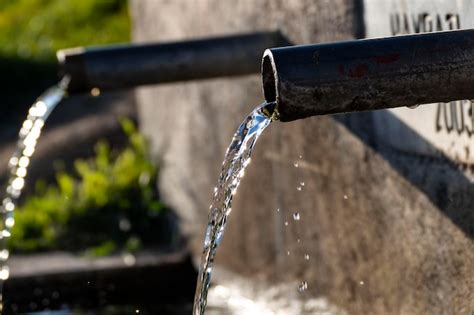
(236, 160)
(18, 164)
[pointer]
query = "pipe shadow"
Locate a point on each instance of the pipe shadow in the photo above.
(444, 182)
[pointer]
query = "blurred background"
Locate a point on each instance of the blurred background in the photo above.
(113, 214)
(93, 204)
(32, 32)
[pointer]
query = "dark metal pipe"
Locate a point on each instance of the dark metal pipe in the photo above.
(369, 74)
(125, 66)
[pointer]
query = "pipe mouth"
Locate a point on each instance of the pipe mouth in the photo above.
(71, 62)
(269, 78)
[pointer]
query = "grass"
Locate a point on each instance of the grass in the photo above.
(36, 29)
(33, 30)
(108, 203)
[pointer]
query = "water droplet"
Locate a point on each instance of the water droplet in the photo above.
(361, 282)
(4, 234)
(124, 225)
(298, 240)
(4, 254)
(29, 142)
(286, 223)
(95, 92)
(303, 286)
(15, 193)
(219, 235)
(18, 183)
(144, 179)
(295, 164)
(8, 204)
(278, 209)
(298, 188)
(21, 172)
(4, 273)
(296, 216)
(345, 197)
(9, 222)
(207, 238)
(28, 151)
(288, 253)
(129, 259)
(27, 124)
(39, 123)
(137, 311)
(24, 161)
(300, 156)
(306, 256)
(33, 111)
(302, 184)
(413, 106)
(13, 161)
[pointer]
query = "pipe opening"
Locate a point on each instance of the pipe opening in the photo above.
(72, 65)
(269, 77)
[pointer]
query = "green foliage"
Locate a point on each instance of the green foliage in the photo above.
(110, 204)
(31, 31)
(37, 28)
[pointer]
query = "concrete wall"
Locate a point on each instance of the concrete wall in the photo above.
(387, 232)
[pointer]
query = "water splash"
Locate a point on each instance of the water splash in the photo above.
(18, 164)
(303, 286)
(236, 160)
(237, 295)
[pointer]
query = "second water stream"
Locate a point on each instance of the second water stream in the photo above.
(18, 165)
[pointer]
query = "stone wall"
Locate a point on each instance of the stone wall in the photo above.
(386, 232)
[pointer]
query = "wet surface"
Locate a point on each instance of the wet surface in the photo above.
(156, 283)
(235, 295)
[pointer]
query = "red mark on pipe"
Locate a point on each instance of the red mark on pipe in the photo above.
(386, 59)
(359, 71)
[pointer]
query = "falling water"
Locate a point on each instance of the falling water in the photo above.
(236, 160)
(18, 164)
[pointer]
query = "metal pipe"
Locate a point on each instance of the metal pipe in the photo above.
(369, 74)
(125, 66)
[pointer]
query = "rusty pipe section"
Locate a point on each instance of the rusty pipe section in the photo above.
(369, 74)
(125, 66)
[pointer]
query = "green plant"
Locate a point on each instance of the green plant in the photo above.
(37, 28)
(33, 30)
(110, 204)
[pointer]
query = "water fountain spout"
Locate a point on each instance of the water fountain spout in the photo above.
(125, 66)
(369, 74)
